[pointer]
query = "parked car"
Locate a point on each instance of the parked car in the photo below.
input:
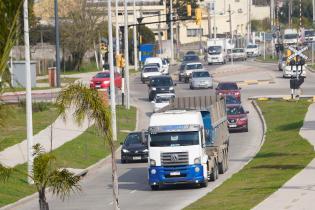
(238, 54)
(231, 100)
(149, 71)
(228, 88)
(135, 147)
(237, 118)
(102, 80)
(252, 50)
(160, 84)
(201, 79)
(162, 100)
(282, 63)
(189, 68)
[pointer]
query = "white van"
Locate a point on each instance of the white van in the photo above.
(290, 37)
(158, 61)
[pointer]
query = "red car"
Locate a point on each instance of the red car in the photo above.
(237, 118)
(228, 88)
(101, 80)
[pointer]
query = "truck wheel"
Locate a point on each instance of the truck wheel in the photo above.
(214, 173)
(226, 160)
(179, 78)
(155, 187)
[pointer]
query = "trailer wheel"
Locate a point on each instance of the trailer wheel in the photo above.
(204, 184)
(226, 160)
(221, 165)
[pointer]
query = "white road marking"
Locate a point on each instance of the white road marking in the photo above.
(133, 191)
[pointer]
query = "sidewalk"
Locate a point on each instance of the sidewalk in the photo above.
(299, 192)
(62, 132)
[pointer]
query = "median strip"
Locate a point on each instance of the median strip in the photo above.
(283, 155)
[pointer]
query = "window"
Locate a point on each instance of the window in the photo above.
(194, 32)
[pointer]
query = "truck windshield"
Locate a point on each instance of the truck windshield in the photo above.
(214, 50)
(174, 139)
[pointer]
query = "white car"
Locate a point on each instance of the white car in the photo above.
(159, 62)
(149, 71)
(252, 50)
(162, 100)
(238, 54)
(189, 68)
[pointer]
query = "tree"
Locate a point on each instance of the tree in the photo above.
(47, 175)
(90, 104)
(9, 14)
(79, 29)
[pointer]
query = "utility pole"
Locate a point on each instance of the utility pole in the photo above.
(127, 90)
(249, 21)
(117, 31)
(209, 20)
(231, 31)
(172, 31)
(135, 44)
(111, 69)
(160, 38)
(290, 13)
(57, 44)
(200, 31)
(29, 115)
(313, 12)
(214, 22)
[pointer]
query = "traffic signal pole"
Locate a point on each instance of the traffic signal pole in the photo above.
(126, 70)
(172, 31)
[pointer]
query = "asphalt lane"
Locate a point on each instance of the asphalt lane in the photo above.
(134, 191)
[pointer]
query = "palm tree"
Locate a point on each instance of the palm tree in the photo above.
(90, 104)
(45, 175)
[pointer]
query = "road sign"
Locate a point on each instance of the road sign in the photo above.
(297, 53)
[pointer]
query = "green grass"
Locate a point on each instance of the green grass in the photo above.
(66, 80)
(283, 155)
(268, 59)
(15, 130)
(81, 152)
(85, 68)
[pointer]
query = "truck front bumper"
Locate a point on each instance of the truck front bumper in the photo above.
(159, 175)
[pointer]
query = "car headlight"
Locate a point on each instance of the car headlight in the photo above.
(125, 150)
(171, 88)
(197, 160)
(106, 82)
(152, 162)
(146, 150)
(153, 88)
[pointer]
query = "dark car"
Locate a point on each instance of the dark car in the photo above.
(228, 88)
(190, 58)
(160, 84)
(237, 118)
(231, 99)
(190, 53)
(135, 147)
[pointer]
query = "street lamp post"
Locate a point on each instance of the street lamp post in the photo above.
(29, 116)
(57, 44)
(117, 30)
(135, 44)
(126, 55)
(172, 31)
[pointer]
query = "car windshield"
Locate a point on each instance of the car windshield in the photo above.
(160, 81)
(102, 75)
(231, 100)
(190, 58)
(252, 46)
(194, 66)
(227, 86)
(147, 69)
(290, 36)
(174, 139)
(214, 50)
(190, 53)
(238, 50)
(235, 110)
(134, 138)
(201, 74)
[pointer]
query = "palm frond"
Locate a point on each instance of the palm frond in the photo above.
(5, 173)
(63, 182)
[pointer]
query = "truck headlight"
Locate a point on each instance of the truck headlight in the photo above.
(197, 160)
(146, 150)
(152, 162)
(125, 151)
(197, 169)
(171, 88)
(154, 88)
(153, 171)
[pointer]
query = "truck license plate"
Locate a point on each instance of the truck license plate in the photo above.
(97, 86)
(136, 158)
(175, 173)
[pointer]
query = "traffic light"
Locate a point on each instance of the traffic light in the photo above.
(198, 14)
(188, 10)
(118, 60)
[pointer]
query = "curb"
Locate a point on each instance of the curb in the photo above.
(263, 122)
(250, 82)
(281, 97)
(310, 69)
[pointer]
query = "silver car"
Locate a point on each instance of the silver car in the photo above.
(201, 79)
(282, 63)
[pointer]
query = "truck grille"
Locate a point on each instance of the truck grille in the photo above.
(174, 158)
